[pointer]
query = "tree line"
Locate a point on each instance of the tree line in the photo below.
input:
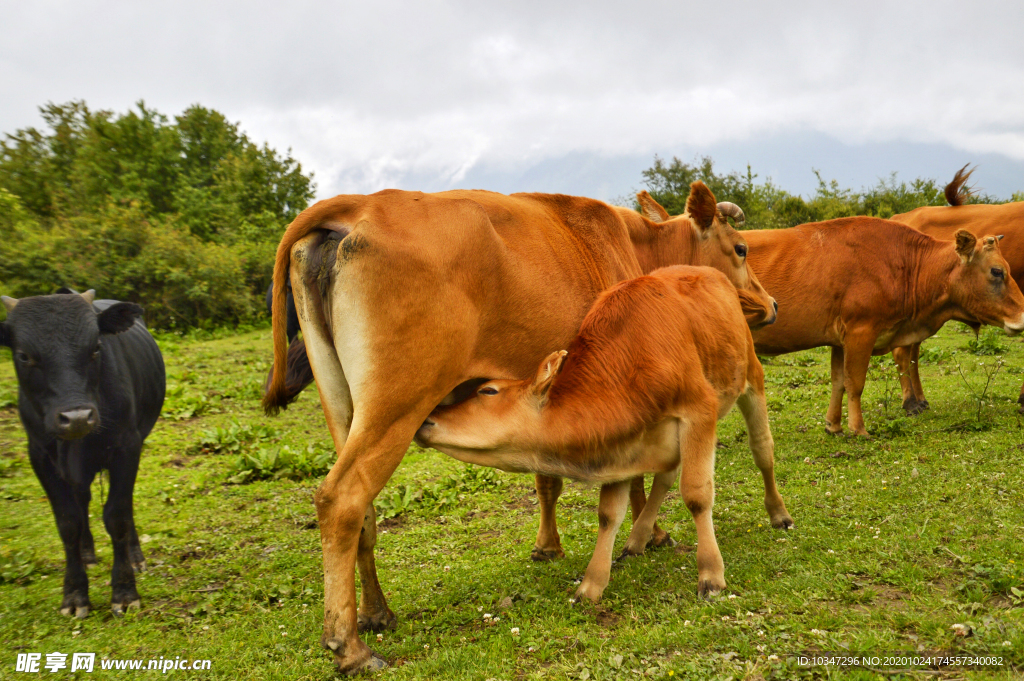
(183, 216)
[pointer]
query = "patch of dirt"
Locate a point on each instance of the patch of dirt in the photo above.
(607, 618)
(390, 523)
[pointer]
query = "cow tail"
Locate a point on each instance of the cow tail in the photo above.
(276, 396)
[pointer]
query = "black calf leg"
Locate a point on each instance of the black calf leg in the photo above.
(86, 546)
(117, 516)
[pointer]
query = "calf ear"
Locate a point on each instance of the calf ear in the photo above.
(965, 243)
(547, 372)
(118, 318)
(701, 206)
(650, 208)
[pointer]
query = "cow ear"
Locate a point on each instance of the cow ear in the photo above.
(547, 372)
(965, 243)
(701, 206)
(650, 208)
(119, 317)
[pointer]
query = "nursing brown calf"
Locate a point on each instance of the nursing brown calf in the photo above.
(658, 360)
(865, 286)
(942, 222)
(405, 298)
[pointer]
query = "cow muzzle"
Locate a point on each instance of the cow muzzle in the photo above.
(76, 423)
(1014, 328)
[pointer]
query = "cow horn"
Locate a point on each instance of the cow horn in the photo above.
(733, 211)
(9, 302)
(89, 296)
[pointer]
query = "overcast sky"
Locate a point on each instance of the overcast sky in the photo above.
(552, 96)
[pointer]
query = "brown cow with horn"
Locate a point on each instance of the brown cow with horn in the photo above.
(406, 299)
(943, 222)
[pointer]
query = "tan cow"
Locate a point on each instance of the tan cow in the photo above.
(404, 297)
(658, 360)
(865, 286)
(942, 222)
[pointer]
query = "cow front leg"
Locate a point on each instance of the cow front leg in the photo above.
(135, 550)
(549, 544)
(856, 358)
(697, 486)
(644, 526)
(374, 613)
(834, 415)
(67, 512)
(754, 408)
(611, 511)
(87, 546)
(120, 523)
(637, 503)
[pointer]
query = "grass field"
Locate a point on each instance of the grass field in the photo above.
(897, 539)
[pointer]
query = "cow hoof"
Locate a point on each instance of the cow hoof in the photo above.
(664, 541)
(381, 621)
(589, 592)
(830, 431)
(139, 567)
(120, 609)
(913, 407)
(543, 555)
(783, 523)
(81, 611)
(627, 552)
(708, 590)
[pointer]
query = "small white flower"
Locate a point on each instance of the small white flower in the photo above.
(426, 646)
(726, 618)
(762, 648)
(760, 633)
(1006, 644)
(831, 551)
(732, 596)
(773, 657)
(828, 494)
(686, 623)
(206, 627)
(380, 637)
(280, 626)
(487, 615)
(530, 649)
(807, 459)
(515, 631)
(447, 568)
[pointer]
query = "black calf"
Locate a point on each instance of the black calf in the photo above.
(90, 387)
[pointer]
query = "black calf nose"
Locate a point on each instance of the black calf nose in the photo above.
(76, 423)
(776, 303)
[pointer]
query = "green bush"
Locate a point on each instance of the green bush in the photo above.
(181, 217)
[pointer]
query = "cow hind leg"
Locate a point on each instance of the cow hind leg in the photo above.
(364, 465)
(374, 613)
(644, 526)
(856, 358)
(697, 486)
(549, 543)
(834, 415)
(611, 511)
(637, 502)
(754, 408)
(906, 359)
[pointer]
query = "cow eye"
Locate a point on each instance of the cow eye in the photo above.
(23, 358)
(741, 250)
(488, 391)
(997, 272)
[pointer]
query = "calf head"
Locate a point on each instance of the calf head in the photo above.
(981, 286)
(56, 342)
(719, 245)
(501, 416)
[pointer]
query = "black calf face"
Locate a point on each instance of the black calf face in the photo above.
(56, 342)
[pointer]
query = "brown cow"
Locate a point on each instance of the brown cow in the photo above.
(404, 297)
(865, 286)
(942, 222)
(658, 360)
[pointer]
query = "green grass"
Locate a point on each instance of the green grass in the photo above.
(897, 539)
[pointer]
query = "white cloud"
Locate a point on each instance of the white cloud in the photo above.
(371, 94)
